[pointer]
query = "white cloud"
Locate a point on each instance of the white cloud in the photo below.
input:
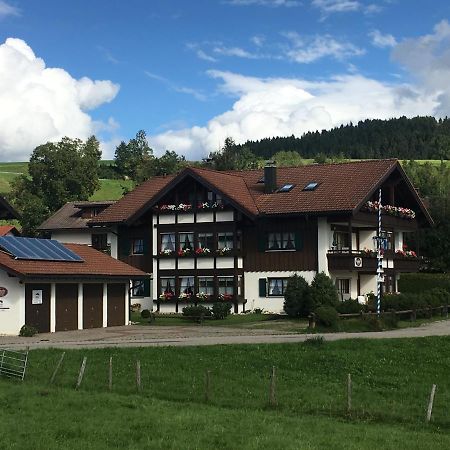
(272, 3)
(281, 107)
(258, 40)
(235, 51)
(174, 87)
(307, 50)
(203, 55)
(41, 104)
(382, 40)
(8, 10)
(332, 6)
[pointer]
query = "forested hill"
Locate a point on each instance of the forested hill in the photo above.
(403, 138)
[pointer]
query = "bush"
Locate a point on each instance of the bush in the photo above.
(196, 313)
(350, 306)
(316, 341)
(390, 319)
(297, 297)
(145, 314)
(421, 282)
(28, 331)
(373, 322)
(323, 291)
(327, 316)
(220, 310)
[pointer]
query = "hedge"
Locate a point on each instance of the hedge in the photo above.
(421, 282)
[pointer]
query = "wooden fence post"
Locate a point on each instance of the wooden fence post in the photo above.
(138, 375)
(272, 389)
(110, 374)
(430, 403)
(349, 393)
(312, 321)
(81, 374)
(207, 386)
(52, 379)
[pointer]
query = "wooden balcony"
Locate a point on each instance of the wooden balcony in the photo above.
(351, 261)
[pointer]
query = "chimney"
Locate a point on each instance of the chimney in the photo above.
(270, 177)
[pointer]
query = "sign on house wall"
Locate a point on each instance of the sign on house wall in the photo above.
(36, 297)
(3, 293)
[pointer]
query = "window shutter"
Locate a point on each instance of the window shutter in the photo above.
(147, 287)
(262, 287)
(125, 246)
(262, 243)
(298, 241)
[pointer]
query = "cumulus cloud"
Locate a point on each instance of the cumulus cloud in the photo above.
(40, 103)
(8, 10)
(382, 40)
(282, 106)
(327, 7)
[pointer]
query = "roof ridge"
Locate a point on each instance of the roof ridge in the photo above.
(222, 172)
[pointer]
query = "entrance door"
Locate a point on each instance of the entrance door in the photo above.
(92, 305)
(116, 304)
(66, 307)
(37, 306)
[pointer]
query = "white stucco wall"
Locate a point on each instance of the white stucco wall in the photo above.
(72, 237)
(12, 311)
(323, 243)
(366, 239)
(269, 304)
(368, 284)
(113, 242)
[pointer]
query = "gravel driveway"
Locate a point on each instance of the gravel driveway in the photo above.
(145, 336)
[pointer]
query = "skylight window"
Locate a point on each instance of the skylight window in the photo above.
(311, 186)
(286, 188)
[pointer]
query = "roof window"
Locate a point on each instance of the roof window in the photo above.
(286, 188)
(311, 186)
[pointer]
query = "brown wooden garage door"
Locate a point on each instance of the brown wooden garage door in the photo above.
(116, 304)
(38, 314)
(66, 307)
(92, 305)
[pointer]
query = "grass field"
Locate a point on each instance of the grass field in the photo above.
(392, 380)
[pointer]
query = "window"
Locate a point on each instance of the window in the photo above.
(311, 186)
(388, 286)
(167, 242)
(343, 287)
(100, 241)
(277, 286)
(187, 286)
(206, 285)
(206, 240)
(167, 287)
(225, 240)
(137, 246)
(286, 188)
(186, 241)
(226, 286)
(281, 241)
(341, 240)
(388, 242)
(137, 288)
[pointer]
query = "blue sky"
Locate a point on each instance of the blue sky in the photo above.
(191, 73)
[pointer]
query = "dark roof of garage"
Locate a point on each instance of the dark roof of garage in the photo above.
(95, 264)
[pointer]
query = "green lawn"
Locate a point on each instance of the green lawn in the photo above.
(111, 189)
(392, 380)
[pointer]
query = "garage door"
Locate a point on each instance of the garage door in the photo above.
(37, 306)
(92, 305)
(66, 307)
(116, 304)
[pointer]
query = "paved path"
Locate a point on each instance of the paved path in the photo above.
(154, 336)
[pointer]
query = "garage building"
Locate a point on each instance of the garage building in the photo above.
(57, 287)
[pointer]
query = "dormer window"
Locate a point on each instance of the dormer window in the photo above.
(311, 186)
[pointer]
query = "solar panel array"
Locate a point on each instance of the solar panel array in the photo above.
(37, 249)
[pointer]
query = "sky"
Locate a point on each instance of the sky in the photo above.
(193, 72)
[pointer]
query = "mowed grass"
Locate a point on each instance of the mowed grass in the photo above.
(391, 385)
(111, 189)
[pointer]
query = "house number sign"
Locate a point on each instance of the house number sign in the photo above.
(3, 292)
(36, 297)
(358, 261)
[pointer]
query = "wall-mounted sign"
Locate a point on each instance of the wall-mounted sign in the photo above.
(358, 262)
(36, 297)
(3, 291)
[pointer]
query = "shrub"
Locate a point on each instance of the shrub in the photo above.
(196, 313)
(220, 310)
(315, 341)
(373, 322)
(258, 311)
(350, 306)
(421, 282)
(327, 316)
(297, 297)
(323, 291)
(28, 331)
(390, 319)
(145, 314)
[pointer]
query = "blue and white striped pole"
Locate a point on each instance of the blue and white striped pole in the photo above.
(379, 256)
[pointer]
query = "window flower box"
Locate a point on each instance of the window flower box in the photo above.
(167, 296)
(184, 252)
(205, 206)
(185, 296)
(406, 253)
(203, 251)
(225, 297)
(397, 211)
(167, 252)
(183, 207)
(368, 252)
(224, 251)
(203, 296)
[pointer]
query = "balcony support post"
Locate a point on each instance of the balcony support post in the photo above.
(350, 235)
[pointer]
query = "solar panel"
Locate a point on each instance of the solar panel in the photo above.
(286, 188)
(311, 186)
(37, 249)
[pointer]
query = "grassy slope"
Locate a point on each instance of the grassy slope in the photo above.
(392, 380)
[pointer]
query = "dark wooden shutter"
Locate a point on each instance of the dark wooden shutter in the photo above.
(262, 287)
(146, 245)
(298, 241)
(147, 287)
(262, 242)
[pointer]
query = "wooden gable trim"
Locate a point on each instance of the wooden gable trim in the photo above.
(178, 179)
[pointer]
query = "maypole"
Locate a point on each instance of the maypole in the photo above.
(379, 256)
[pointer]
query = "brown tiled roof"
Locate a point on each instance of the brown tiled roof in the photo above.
(342, 188)
(95, 265)
(132, 202)
(5, 229)
(69, 216)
